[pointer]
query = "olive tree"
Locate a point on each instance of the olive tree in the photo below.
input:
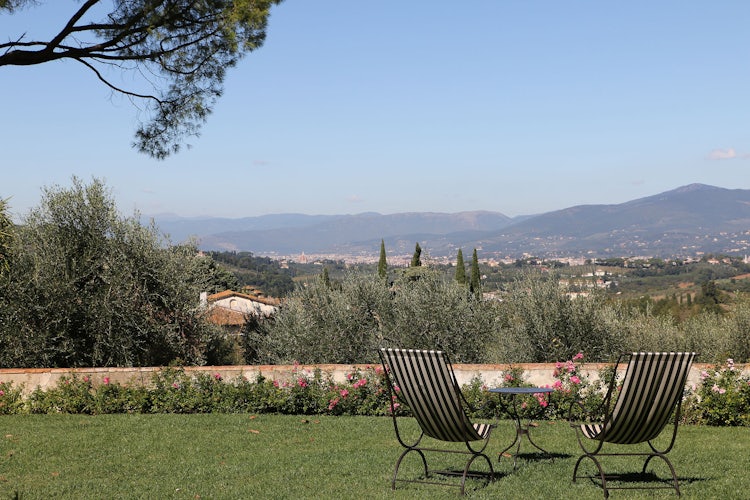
(320, 323)
(88, 287)
(438, 313)
(549, 324)
(6, 235)
(347, 323)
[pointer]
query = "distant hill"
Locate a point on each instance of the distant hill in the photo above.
(353, 233)
(684, 221)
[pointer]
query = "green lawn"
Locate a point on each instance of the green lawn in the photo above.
(271, 456)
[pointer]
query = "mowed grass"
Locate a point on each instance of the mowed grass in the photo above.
(276, 456)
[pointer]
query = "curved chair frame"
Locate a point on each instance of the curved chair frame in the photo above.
(424, 382)
(651, 393)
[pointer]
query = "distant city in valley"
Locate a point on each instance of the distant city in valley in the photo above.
(686, 222)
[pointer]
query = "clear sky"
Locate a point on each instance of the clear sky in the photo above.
(394, 106)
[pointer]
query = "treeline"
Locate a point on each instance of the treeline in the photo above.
(533, 320)
(261, 272)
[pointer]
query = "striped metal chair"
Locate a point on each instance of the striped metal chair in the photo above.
(424, 382)
(651, 392)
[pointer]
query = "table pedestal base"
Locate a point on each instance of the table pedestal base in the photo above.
(521, 431)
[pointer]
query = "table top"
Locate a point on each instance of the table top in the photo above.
(521, 390)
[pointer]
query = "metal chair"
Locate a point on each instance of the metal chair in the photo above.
(651, 392)
(424, 382)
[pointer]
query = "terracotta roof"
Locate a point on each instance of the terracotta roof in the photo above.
(231, 293)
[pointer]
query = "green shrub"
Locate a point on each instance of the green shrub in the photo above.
(724, 396)
(71, 395)
(11, 400)
(116, 398)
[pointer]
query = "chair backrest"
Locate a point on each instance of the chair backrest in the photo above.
(426, 383)
(652, 388)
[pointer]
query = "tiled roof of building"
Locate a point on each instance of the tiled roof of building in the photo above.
(231, 293)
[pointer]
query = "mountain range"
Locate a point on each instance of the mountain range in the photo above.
(686, 221)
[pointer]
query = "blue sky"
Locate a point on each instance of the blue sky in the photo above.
(512, 106)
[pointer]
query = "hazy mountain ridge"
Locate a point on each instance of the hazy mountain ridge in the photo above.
(684, 221)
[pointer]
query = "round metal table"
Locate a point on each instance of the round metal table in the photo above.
(512, 409)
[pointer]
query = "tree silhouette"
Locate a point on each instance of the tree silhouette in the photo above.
(177, 52)
(474, 285)
(382, 263)
(460, 268)
(416, 260)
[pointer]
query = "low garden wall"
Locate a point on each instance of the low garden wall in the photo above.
(539, 374)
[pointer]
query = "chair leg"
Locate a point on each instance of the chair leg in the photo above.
(602, 476)
(401, 458)
(676, 484)
(468, 466)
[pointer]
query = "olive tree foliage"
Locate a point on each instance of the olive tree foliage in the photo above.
(348, 323)
(6, 235)
(438, 313)
(737, 327)
(87, 287)
(176, 51)
(536, 320)
(544, 323)
(548, 324)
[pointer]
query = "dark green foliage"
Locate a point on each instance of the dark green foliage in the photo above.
(711, 298)
(382, 263)
(88, 287)
(260, 272)
(474, 284)
(460, 268)
(416, 259)
(6, 235)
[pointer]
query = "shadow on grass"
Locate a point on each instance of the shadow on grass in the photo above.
(475, 480)
(640, 480)
(538, 456)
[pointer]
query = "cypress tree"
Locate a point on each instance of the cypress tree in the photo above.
(460, 268)
(474, 284)
(382, 263)
(415, 260)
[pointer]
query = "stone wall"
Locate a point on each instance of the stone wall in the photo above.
(492, 374)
